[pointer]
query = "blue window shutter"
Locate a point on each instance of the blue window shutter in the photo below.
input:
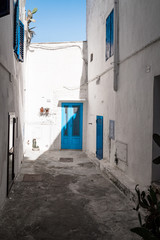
(112, 33)
(99, 137)
(21, 38)
(108, 37)
(18, 35)
(16, 28)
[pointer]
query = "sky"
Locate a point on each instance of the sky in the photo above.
(58, 20)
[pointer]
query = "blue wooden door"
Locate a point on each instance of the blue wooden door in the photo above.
(99, 137)
(72, 125)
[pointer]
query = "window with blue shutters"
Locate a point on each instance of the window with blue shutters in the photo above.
(16, 28)
(18, 35)
(21, 45)
(110, 35)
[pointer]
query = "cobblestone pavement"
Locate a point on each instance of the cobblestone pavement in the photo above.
(61, 195)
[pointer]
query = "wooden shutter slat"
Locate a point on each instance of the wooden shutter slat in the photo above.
(16, 27)
(21, 55)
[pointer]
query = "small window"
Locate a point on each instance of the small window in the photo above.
(91, 57)
(4, 7)
(109, 35)
(18, 34)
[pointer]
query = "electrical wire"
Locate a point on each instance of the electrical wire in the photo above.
(40, 46)
(72, 89)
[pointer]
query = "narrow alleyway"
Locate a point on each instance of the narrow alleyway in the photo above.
(60, 195)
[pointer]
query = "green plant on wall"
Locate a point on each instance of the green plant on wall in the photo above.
(150, 226)
(30, 19)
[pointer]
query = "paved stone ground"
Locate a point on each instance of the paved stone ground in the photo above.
(65, 199)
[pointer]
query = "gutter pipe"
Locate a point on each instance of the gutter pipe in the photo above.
(116, 44)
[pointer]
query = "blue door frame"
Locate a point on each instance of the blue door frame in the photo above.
(72, 126)
(99, 137)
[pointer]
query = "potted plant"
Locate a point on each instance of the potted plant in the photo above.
(41, 111)
(46, 111)
(150, 226)
(150, 202)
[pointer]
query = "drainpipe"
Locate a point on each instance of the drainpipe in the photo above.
(116, 44)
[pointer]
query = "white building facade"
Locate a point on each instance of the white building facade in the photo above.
(56, 96)
(12, 60)
(123, 87)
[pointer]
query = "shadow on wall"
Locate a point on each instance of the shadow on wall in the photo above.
(70, 136)
(156, 127)
(10, 102)
(83, 93)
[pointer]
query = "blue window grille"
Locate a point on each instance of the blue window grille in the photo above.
(110, 35)
(18, 35)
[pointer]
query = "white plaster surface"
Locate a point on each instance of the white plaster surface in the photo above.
(11, 96)
(132, 105)
(56, 72)
(101, 97)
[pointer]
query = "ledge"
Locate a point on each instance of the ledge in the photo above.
(71, 101)
(116, 176)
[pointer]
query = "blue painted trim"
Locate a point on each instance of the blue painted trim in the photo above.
(68, 142)
(21, 41)
(110, 35)
(99, 137)
(18, 34)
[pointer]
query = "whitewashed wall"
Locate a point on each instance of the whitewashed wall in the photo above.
(56, 72)
(132, 105)
(11, 96)
(139, 41)
(101, 97)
